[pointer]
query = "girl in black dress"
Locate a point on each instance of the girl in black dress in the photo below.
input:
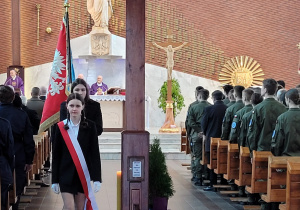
(76, 136)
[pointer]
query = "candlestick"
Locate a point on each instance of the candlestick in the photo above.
(119, 175)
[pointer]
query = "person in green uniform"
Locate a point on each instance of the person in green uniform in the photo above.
(236, 122)
(196, 114)
(256, 98)
(264, 117)
(286, 136)
(189, 130)
(231, 98)
(231, 111)
(226, 89)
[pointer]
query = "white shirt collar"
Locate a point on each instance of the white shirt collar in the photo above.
(99, 84)
(14, 77)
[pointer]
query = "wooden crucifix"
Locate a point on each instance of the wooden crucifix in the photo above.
(170, 47)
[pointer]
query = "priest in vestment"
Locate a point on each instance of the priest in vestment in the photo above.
(98, 88)
(15, 81)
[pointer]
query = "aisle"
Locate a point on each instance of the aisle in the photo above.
(187, 196)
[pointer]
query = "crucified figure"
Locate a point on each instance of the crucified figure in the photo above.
(170, 56)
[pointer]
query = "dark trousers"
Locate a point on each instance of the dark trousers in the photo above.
(212, 175)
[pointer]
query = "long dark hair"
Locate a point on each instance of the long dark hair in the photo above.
(79, 81)
(83, 122)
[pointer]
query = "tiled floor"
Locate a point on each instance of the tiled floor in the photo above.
(187, 196)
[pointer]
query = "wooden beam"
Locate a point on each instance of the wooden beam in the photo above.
(16, 32)
(135, 64)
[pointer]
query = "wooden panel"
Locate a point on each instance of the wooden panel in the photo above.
(16, 32)
(245, 167)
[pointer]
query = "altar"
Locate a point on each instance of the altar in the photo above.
(113, 111)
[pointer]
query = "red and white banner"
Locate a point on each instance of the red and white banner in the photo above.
(80, 164)
(57, 84)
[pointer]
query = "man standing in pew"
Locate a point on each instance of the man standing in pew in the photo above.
(231, 98)
(286, 136)
(231, 111)
(211, 124)
(263, 120)
(196, 114)
(6, 159)
(24, 146)
(256, 98)
(236, 121)
(189, 131)
(226, 89)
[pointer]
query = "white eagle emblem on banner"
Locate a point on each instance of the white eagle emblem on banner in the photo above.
(56, 82)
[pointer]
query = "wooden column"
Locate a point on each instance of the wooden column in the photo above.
(16, 32)
(135, 140)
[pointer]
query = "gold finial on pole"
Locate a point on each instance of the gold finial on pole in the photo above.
(67, 5)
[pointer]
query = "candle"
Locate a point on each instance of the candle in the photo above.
(119, 174)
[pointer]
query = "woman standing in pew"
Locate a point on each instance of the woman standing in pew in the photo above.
(76, 158)
(92, 108)
(286, 136)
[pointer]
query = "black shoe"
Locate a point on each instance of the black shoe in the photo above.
(198, 182)
(209, 188)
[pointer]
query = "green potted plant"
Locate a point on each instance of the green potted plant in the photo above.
(160, 182)
(177, 97)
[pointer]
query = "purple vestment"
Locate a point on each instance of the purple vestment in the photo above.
(16, 83)
(95, 87)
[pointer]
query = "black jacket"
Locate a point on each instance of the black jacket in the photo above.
(6, 152)
(63, 167)
(92, 112)
(24, 146)
(212, 122)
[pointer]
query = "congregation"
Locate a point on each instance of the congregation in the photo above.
(20, 120)
(261, 119)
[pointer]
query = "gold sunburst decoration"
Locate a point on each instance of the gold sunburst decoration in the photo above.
(242, 70)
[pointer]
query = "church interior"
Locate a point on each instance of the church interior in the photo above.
(214, 43)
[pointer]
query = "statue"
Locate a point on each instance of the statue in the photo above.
(101, 11)
(100, 37)
(170, 56)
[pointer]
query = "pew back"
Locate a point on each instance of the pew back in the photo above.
(222, 151)
(293, 184)
(213, 153)
(245, 168)
(232, 162)
(259, 172)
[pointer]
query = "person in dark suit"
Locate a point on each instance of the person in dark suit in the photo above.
(24, 146)
(35, 103)
(65, 175)
(20, 102)
(92, 108)
(43, 93)
(6, 159)
(211, 124)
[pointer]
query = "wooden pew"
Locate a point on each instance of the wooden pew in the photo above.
(276, 178)
(222, 151)
(245, 168)
(293, 184)
(213, 153)
(259, 172)
(46, 145)
(233, 162)
(184, 142)
(204, 160)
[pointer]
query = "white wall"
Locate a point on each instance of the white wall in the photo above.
(113, 71)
